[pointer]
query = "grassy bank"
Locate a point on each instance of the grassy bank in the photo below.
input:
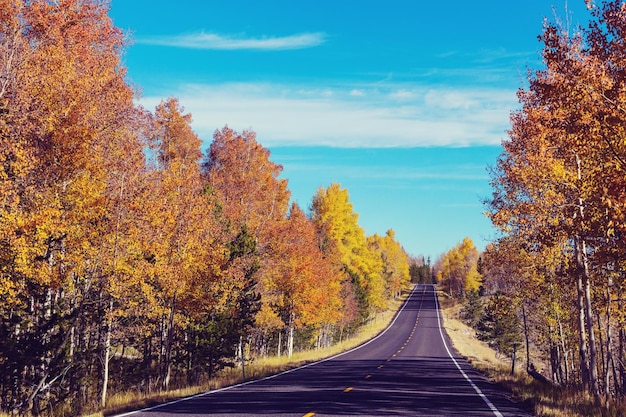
(537, 397)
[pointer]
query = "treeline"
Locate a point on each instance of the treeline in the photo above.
(560, 198)
(131, 260)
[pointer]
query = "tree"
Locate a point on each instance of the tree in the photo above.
(395, 262)
(183, 236)
(499, 325)
(301, 285)
(458, 272)
(334, 216)
(66, 113)
(556, 182)
(242, 177)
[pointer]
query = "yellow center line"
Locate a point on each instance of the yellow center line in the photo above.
(347, 389)
(311, 414)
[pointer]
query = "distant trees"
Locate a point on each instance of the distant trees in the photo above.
(420, 270)
(131, 260)
(457, 269)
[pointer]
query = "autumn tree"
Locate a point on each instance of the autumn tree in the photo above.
(301, 286)
(395, 262)
(184, 241)
(333, 214)
(252, 196)
(458, 271)
(559, 181)
(66, 113)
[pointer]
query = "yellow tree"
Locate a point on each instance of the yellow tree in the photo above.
(458, 272)
(395, 262)
(334, 216)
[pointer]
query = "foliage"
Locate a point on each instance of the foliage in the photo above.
(559, 201)
(458, 272)
(131, 260)
(499, 324)
(473, 308)
(420, 271)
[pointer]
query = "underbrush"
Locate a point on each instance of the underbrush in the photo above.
(256, 369)
(540, 398)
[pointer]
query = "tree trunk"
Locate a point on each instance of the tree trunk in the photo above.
(168, 347)
(609, 341)
(290, 342)
(581, 250)
(524, 318)
(582, 334)
(564, 350)
(106, 354)
(242, 358)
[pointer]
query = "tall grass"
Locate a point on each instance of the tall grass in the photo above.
(539, 398)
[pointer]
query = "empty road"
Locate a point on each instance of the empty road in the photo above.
(409, 370)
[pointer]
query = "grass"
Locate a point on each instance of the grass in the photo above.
(258, 368)
(539, 398)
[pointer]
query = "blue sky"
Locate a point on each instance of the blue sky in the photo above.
(404, 103)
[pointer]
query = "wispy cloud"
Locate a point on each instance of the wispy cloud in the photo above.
(204, 40)
(283, 115)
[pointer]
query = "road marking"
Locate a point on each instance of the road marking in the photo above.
(347, 389)
(311, 414)
(492, 407)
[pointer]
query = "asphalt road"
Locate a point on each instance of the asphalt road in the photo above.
(409, 370)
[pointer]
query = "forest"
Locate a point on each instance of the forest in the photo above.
(557, 269)
(131, 258)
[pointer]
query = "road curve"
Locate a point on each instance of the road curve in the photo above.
(409, 370)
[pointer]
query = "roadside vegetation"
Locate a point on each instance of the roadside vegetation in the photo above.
(541, 397)
(262, 367)
(134, 257)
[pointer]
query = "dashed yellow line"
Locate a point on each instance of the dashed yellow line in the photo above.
(347, 389)
(311, 414)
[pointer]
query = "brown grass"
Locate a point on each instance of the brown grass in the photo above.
(539, 398)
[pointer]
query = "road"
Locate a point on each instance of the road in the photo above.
(409, 370)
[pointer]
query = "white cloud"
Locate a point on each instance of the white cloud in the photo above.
(203, 40)
(355, 92)
(402, 95)
(288, 115)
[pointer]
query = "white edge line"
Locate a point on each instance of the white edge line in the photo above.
(443, 339)
(130, 413)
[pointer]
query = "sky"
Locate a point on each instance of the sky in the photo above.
(404, 103)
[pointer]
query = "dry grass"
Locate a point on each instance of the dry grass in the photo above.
(258, 368)
(539, 398)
